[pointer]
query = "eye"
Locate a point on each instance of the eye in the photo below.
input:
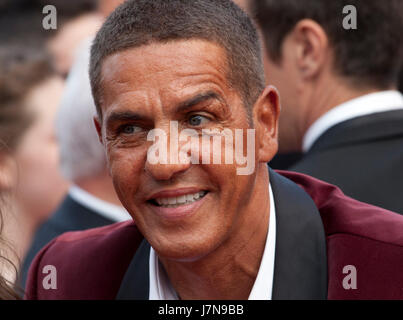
(129, 129)
(197, 120)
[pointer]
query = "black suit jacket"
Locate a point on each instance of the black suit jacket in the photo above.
(362, 156)
(70, 216)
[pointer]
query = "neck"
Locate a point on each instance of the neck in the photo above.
(326, 95)
(229, 272)
(101, 187)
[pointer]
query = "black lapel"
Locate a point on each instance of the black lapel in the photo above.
(300, 269)
(381, 125)
(135, 284)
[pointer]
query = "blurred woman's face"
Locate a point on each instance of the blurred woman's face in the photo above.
(40, 185)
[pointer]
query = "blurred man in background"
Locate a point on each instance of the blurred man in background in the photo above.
(91, 201)
(338, 87)
(282, 160)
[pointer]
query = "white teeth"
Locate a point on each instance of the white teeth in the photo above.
(181, 199)
(184, 199)
(163, 201)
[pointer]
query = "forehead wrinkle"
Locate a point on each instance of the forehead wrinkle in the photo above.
(192, 84)
(199, 78)
(152, 57)
(181, 82)
(158, 77)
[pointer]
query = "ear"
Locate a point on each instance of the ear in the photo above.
(266, 114)
(311, 47)
(98, 126)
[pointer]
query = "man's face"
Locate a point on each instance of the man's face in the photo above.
(284, 76)
(42, 187)
(145, 88)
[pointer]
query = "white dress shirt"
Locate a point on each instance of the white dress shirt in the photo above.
(161, 288)
(106, 209)
(365, 105)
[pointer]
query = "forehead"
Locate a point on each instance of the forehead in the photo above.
(167, 70)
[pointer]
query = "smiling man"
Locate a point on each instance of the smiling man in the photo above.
(148, 87)
(201, 230)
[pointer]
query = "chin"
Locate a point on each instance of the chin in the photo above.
(185, 250)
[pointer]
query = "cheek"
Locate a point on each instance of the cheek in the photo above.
(38, 155)
(228, 188)
(126, 167)
(39, 175)
(284, 80)
(280, 77)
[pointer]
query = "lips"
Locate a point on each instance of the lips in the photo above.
(177, 203)
(171, 202)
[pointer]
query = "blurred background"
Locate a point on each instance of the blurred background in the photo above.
(34, 66)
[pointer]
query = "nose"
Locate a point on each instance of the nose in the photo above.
(164, 156)
(165, 171)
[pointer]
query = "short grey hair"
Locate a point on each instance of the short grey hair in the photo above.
(141, 22)
(81, 153)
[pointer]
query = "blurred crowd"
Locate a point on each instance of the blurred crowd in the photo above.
(39, 162)
(53, 175)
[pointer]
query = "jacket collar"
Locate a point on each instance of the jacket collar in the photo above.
(300, 270)
(382, 125)
(72, 215)
(300, 267)
(135, 284)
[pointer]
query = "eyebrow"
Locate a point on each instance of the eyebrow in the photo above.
(123, 116)
(204, 96)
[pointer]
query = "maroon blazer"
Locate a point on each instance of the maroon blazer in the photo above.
(320, 231)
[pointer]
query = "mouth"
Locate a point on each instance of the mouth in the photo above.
(182, 200)
(179, 203)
